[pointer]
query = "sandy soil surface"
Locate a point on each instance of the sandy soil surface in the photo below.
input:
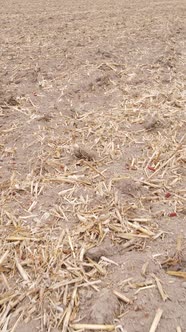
(92, 165)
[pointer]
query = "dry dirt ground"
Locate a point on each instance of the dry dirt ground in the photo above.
(92, 165)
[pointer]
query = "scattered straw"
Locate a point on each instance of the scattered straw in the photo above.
(122, 297)
(144, 268)
(69, 311)
(21, 270)
(61, 171)
(144, 288)
(156, 320)
(164, 296)
(17, 322)
(180, 274)
(93, 327)
(3, 257)
(98, 267)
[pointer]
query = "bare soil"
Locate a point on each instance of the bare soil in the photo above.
(92, 164)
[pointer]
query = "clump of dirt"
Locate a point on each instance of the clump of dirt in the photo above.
(104, 308)
(129, 187)
(82, 152)
(12, 101)
(151, 122)
(32, 326)
(105, 249)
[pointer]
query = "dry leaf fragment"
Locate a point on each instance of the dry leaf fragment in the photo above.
(180, 274)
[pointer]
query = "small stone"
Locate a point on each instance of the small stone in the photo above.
(104, 309)
(184, 284)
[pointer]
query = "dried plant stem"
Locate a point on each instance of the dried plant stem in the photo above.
(93, 327)
(156, 320)
(69, 311)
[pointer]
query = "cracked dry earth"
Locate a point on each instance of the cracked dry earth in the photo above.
(92, 165)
